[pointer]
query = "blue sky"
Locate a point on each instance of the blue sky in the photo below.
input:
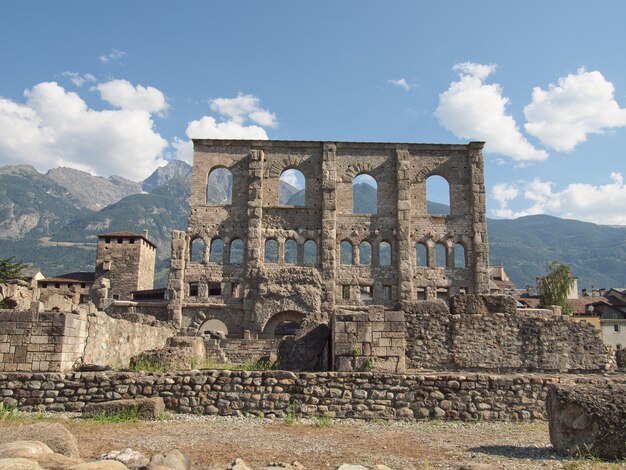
(118, 87)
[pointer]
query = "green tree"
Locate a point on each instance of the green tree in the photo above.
(554, 287)
(10, 270)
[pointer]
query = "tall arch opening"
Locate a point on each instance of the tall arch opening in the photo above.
(365, 253)
(196, 253)
(421, 255)
(236, 251)
(384, 254)
(345, 252)
(440, 255)
(283, 324)
(364, 195)
(271, 251)
(437, 195)
(291, 252)
(292, 188)
(460, 260)
(219, 189)
(310, 253)
(216, 253)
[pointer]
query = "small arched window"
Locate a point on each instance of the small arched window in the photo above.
(437, 195)
(310, 253)
(236, 251)
(291, 252)
(345, 252)
(365, 253)
(271, 251)
(440, 255)
(459, 256)
(364, 195)
(216, 254)
(292, 188)
(384, 254)
(219, 189)
(421, 255)
(196, 255)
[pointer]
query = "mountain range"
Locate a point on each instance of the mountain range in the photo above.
(52, 221)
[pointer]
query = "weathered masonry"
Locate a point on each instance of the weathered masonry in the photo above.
(253, 263)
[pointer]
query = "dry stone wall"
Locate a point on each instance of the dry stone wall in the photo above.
(362, 395)
(35, 340)
(487, 333)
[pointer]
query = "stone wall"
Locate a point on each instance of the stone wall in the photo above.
(362, 395)
(494, 336)
(372, 340)
(33, 341)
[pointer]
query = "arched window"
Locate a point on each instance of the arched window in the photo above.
(196, 255)
(364, 195)
(216, 254)
(292, 188)
(345, 255)
(437, 195)
(291, 252)
(440, 255)
(384, 254)
(271, 251)
(421, 255)
(236, 251)
(310, 253)
(365, 253)
(459, 256)
(219, 189)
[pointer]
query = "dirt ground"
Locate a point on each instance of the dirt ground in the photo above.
(217, 441)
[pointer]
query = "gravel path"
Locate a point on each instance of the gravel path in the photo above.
(424, 445)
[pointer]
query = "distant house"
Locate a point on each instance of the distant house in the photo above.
(67, 284)
(31, 275)
(499, 282)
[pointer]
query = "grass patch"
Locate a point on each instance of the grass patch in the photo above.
(129, 416)
(7, 413)
(248, 365)
(323, 421)
(147, 365)
(290, 417)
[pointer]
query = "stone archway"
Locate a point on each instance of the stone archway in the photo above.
(213, 325)
(282, 324)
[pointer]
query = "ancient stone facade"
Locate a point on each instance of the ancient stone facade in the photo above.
(262, 288)
(127, 261)
(361, 395)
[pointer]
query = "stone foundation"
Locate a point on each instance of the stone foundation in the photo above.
(363, 395)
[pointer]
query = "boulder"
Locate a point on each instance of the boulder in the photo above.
(173, 459)
(54, 435)
(56, 461)
(215, 334)
(238, 464)
(23, 449)
(100, 465)
(19, 464)
(148, 408)
(588, 419)
(133, 459)
(307, 350)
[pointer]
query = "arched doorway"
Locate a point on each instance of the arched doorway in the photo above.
(212, 325)
(283, 324)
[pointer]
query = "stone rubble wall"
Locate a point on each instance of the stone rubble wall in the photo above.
(496, 337)
(372, 340)
(361, 395)
(38, 341)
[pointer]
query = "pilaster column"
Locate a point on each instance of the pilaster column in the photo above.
(480, 260)
(328, 249)
(404, 255)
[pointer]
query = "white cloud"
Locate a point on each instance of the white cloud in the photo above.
(78, 79)
(244, 107)
(56, 127)
(401, 82)
(472, 109)
(290, 177)
(122, 94)
(115, 54)
(581, 104)
(238, 111)
(601, 204)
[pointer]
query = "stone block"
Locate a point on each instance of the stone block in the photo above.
(148, 408)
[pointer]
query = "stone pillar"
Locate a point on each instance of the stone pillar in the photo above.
(328, 249)
(404, 253)
(254, 241)
(176, 280)
(480, 261)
